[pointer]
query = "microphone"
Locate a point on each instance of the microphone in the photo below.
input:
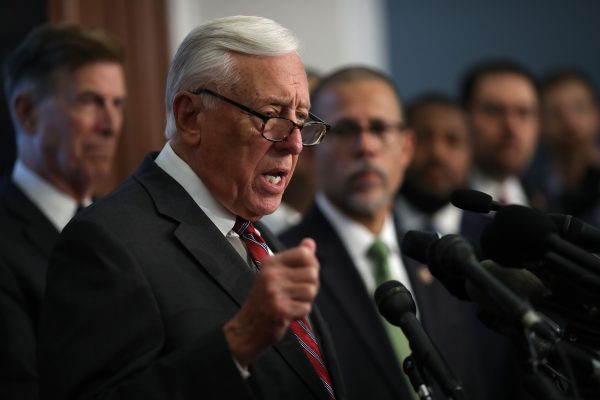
(417, 380)
(416, 244)
(520, 235)
(578, 232)
(570, 228)
(453, 255)
(396, 305)
(474, 200)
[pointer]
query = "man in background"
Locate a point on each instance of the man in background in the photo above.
(165, 288)
(502, 108)
(441, 164)
(66, 93)
(360, 166)
(568, 177)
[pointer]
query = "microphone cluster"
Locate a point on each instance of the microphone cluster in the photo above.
(539, 282)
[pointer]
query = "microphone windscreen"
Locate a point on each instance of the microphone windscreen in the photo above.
(394, 300)
(416, 245)
(517, 234)
(472, 200)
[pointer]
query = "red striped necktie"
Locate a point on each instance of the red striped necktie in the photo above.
(258, 249)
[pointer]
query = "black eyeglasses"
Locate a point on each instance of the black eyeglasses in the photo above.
(278, 129)
(347, 130)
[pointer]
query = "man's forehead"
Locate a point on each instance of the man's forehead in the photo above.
(360, 97)
(279, 80)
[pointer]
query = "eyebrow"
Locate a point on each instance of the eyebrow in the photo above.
(279, 100)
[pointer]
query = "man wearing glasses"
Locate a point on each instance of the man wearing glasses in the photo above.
(360, 166)
(165, 289)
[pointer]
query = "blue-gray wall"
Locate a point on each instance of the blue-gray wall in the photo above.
(433, 42)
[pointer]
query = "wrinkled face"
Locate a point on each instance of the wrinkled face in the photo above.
(570, 118)
(77, 127)
(442, 158)
(503, 119)
(246, 173)
(360, 173)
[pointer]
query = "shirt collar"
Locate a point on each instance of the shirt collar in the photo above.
(510, 189)
(354, 235)
(445, 221)
(56, 205)
(179, 170)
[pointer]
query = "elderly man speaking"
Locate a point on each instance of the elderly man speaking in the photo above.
(165, 289)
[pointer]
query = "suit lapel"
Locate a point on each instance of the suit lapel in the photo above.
(350, 294)
(196, 232)
(202, 239)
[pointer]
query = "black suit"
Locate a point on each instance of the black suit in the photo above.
(368, 362)
(26, 241)
(139, 287)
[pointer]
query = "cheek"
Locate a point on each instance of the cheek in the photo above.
(396, 164)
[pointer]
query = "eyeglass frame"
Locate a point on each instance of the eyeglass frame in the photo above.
(400, 127)
(264, 118)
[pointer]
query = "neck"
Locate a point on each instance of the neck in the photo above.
(426, 203)
(77, 190)
(373, 221)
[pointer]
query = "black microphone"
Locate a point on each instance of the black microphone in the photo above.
(578, 232)
(417, 380)
(396, 305)
(520, 235)
(474, 200)
(453, 255)
(570, 228)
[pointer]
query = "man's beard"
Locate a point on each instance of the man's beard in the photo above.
(352, 201)
(427, 203)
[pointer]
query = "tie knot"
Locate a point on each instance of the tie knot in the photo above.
(378, 251)
(242, 226)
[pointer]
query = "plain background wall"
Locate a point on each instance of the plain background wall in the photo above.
(431, 43)
(331, 32)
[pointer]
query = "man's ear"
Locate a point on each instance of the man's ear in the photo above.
(408, 146)
(186, 110)
(25, 112)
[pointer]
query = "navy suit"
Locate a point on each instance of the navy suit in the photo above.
(26, 241)
(369, 366)
(138, 290)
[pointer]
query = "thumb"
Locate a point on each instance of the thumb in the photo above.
(309, 244)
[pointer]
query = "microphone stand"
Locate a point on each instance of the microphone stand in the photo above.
(416, 378)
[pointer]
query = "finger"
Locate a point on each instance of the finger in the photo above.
(299, 256)
(309, 243)
(302, 292)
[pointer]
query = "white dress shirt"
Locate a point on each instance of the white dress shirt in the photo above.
(56, 205)
(357, 239)
(445, 221)
(509, 191)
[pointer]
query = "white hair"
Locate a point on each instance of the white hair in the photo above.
(204, 56)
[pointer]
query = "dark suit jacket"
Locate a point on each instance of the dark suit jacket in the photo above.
(369, 366)
(26, 240)
(138, 289)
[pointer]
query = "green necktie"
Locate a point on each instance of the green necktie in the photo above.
(379, 254)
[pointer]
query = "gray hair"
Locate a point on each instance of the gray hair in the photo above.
(204, 56)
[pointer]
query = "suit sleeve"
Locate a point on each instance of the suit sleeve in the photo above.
(102, 334)
(18, 370)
